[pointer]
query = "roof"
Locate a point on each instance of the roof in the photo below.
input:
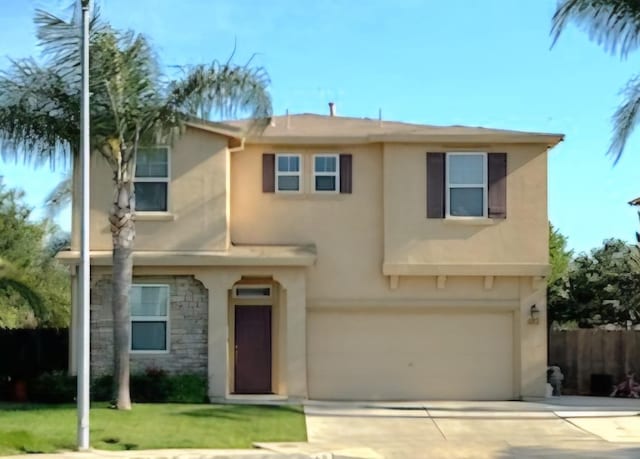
(308, 128)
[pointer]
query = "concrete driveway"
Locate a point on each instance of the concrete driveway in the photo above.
(565, 427)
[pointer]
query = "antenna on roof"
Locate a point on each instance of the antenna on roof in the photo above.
(380, 117)
(288, 119)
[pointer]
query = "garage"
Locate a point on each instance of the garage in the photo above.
(384, 355)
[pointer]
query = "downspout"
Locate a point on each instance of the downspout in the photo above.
(228, 191)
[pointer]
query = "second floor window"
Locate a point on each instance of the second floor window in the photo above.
(326, 173)
(288, 173)
(152, 179)
(466, 185)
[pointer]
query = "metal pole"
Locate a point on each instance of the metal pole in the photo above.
(83, 323)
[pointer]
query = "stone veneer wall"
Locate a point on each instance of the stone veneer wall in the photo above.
(187, 327)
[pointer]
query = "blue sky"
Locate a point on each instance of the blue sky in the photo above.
(483, 63)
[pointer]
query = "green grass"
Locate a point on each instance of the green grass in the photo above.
(28, 428)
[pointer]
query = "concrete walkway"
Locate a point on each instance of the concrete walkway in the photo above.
(566, 427)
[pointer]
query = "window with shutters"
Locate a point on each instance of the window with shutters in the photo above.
(466, 185)
(326, 173)
(288, 173)
(329, 173)
(149, 318)
(151, 180)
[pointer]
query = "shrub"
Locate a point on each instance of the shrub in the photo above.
(188, 389)
(151, 386)
(102, 388)
(54, 387)
(155, 386)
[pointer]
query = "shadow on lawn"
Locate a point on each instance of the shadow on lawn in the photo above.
(11, 406)
(237, 412)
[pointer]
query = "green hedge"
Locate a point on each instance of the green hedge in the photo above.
(151, 386)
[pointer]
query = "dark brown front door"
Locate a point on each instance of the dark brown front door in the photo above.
(253, 350)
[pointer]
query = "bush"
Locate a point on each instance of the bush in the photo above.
(155, 386)
(102, 389)
(188, 389)
(151, 386)
(54, 387)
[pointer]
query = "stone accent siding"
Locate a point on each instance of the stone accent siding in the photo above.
(187, 327)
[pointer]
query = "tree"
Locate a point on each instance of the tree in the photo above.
(132, 105)
(34, 288)
(559, 258)
(615, 25)
(602, 287)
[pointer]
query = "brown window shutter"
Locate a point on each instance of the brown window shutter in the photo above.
(435, 185)
(497, 164)
(268, 173)
(346, 173)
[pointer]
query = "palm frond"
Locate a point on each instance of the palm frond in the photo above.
(59, 197)
(613, 24)
(60, 40)
(10, 280)
(38, 114)
(625, 118)
(223, 89)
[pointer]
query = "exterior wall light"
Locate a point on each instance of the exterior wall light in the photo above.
(534, 315)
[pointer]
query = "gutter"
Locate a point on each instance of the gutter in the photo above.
(239, 147)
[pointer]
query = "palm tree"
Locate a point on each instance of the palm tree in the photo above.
(615, 25)
(132, 104)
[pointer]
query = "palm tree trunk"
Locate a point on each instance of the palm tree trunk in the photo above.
(123, 233)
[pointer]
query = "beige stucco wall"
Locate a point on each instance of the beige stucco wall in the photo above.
(384, 220)
(411, 238)
(340, 225)
(197, 198)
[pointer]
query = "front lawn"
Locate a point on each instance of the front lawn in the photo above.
(27, 428)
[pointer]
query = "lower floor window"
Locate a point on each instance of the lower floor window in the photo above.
(149, 317)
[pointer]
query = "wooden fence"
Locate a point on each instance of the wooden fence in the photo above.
(586, 352)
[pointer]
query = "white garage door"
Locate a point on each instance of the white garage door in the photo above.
(410, 356)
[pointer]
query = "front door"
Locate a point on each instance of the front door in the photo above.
(253, 350)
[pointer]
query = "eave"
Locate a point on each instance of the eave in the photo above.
(253, 255)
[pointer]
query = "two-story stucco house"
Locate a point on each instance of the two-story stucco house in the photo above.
(335, 258)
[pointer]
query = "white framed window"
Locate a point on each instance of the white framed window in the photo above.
(251, 291)
(326, 173)
(288, 173)
(151, 181)
(149, 318)
(466, 190)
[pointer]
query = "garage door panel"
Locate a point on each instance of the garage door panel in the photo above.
(410, 355)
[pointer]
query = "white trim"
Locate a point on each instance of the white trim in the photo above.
(484, 185)
(165, 319)
(298, 174)
(335, 174)
(250, 286)
(166, 179)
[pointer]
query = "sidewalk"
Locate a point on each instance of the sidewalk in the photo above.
(167, 454)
